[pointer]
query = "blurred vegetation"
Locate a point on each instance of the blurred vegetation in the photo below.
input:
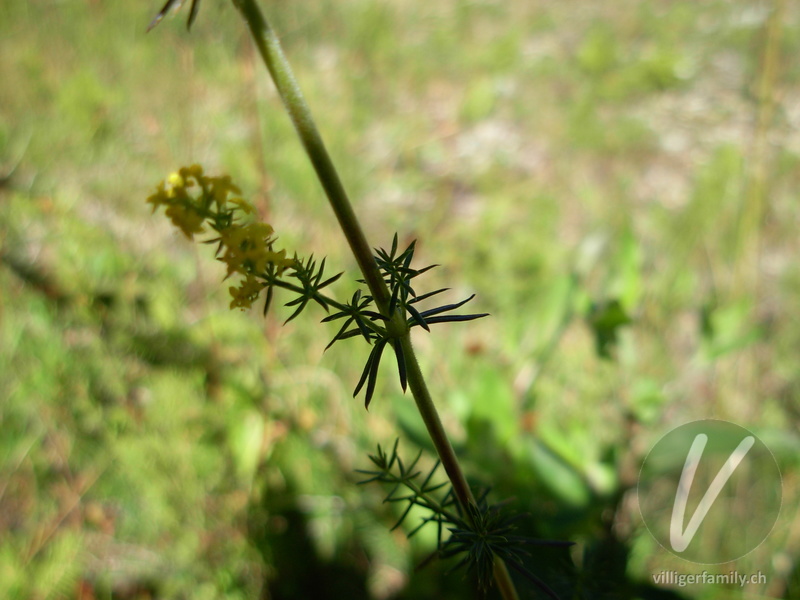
(616, 181)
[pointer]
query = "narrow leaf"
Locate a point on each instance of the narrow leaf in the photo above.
(401, 363)
(157, 19)
(340, 334)
(424, 270)
(299, 309)
(446, 308)
(428, 295)
(193, 13)
(455, 318)
(417, 318)
(364, 373)
(329, 281)
(373, 373)
(334, 316)
(321, 301)
(268, 300)
(403, 516)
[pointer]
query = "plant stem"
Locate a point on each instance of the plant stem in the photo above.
(427, 409)
(447, 455)
(270, 49)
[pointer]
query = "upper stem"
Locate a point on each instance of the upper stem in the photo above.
(270, 49)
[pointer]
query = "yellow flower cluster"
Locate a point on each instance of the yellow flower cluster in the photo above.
(188, 211)
(248, 251)
(247, 292)
(245, 248)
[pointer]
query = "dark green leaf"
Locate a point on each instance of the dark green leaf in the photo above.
(428, 295)
(455, 318)
(401, 363)
(417, 318)
(449, 307)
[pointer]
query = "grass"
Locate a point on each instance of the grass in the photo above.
(551, 157)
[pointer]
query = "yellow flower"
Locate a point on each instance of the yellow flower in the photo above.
(159, 198)
(247, 292)
(194, 170)
(188, 220)
(279, 260)
(221, 187)
(247, 247)
(243, 205)
(175, 180)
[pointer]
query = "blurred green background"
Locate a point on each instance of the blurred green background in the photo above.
(616, 181)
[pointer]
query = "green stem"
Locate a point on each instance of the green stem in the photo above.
(270, 49)
(447, 455)
(430, 416)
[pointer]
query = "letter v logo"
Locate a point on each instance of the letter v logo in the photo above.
(679, 539)
(709, 491)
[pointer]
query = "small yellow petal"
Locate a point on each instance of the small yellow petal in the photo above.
(243, 204)
(187, 220)
(194, 170)
(175, 180)
(246, 293)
